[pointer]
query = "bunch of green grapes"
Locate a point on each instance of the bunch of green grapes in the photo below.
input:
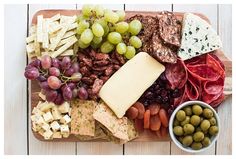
(105, 29)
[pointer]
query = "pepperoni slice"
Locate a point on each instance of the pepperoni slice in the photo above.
(176, 74)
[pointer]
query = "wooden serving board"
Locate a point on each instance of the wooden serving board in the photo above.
(147, 135)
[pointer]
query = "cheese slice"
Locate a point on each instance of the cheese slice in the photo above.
(126, 86)
(198, 37)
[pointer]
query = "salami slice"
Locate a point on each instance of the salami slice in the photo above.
(176, 74)
(214, 87)
(215, 64)
(182, 98)
(196, 60)
(192, 90)
(218, 101)
(209, 98)
(203, 72)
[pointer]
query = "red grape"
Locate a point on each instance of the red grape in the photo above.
(76, 77)
(44, 85)
(75, 66)
(82, 93)
(46, 62)
(75, 93)
(54, 82)
(67, 93)
(54, 71)
(35, 63)
(41, 78)
(71, 85)
(31, 73)
(59, 100)
(66, 63)
(69, 72)
(28, 67)
(51, 95)
(55, 63)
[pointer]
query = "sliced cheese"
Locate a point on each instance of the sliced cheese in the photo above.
(40, 28)
(68, 34)
(45, 44)
(31, 38)
(127, 85)
(68, 53)
(198, 37)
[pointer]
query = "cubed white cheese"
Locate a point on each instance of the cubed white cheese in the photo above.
(37, 111)
(64, 108)
(47, 134)
(66, 135)
(42, 96)
(30, 48)
(48, 117)
(55, 126)
(57, 135)
(66, 119)
(64, 129)
(41, 132)
(45, 126)
(35, 127)
(56, 113)
(38, 119)
(44, 107)
(31, 38)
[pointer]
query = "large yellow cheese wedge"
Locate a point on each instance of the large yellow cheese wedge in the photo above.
(127, 85)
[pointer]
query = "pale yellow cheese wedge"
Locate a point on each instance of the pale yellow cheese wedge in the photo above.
(127, 85)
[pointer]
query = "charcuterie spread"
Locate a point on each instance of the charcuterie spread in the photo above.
(104, 75)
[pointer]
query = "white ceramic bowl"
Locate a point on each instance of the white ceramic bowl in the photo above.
(172, 135)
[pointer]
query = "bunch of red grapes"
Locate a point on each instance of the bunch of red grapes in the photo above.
(59, 79)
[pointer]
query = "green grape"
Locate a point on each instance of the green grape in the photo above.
(102, 22)
(111, 17)
(121, 48)
(114, 37)
(87, 10)
(121, 14)
(106, 30)
(135, 42)
(97, 30)
(80, 18)
(111, 28)
(82, 26)
(94, 45)
(82, 45)
(135, 26)
(122, 27)
(107, 47)
(87, 36)
(99, 10)
(130, 52)
(97, 40)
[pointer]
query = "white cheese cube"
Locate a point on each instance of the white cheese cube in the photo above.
(56, 113)
(36, 127)
(30, 38)
(47, 134)
(66, 135)
(37, 111)
(57, 135)
(45, 126)
(38, 119)
(46, 106)
(64, 108)
(66, 119)
(64, 129)
(41, 132)
(48, 117)
(38, 105)
(30, 48)
(42, 96)
(55, 126)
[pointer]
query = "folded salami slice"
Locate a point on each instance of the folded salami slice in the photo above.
(192, 90)
(176, 74)
(203, 72)
(217, 102)
(214, 87)
(215, 64)
(196, 60)
(209, 98)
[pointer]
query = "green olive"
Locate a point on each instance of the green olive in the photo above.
(188, 110)
(180, 116)
(176, 122)
(187, 140)
(195, 120)
(198, 136)
(178, 130)
(186, 121)
(197, 109)
(196, 146)
(206, 141)
(212, 121)
(188, 129)
(207, 113)
(213, 130)
(205, 124)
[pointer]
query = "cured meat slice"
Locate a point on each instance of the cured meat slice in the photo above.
(170, 28)
(192, 90)
(215, 64)
(209, 98)
(162, 52)
(214, 87)
(203, 72)
(218, 101)
(176, 74)
(196, 60)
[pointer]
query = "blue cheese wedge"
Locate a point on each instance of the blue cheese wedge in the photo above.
(198, 37)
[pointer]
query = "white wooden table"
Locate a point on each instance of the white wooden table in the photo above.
(18, 136)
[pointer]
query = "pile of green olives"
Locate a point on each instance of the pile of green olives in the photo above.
(194, 126)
